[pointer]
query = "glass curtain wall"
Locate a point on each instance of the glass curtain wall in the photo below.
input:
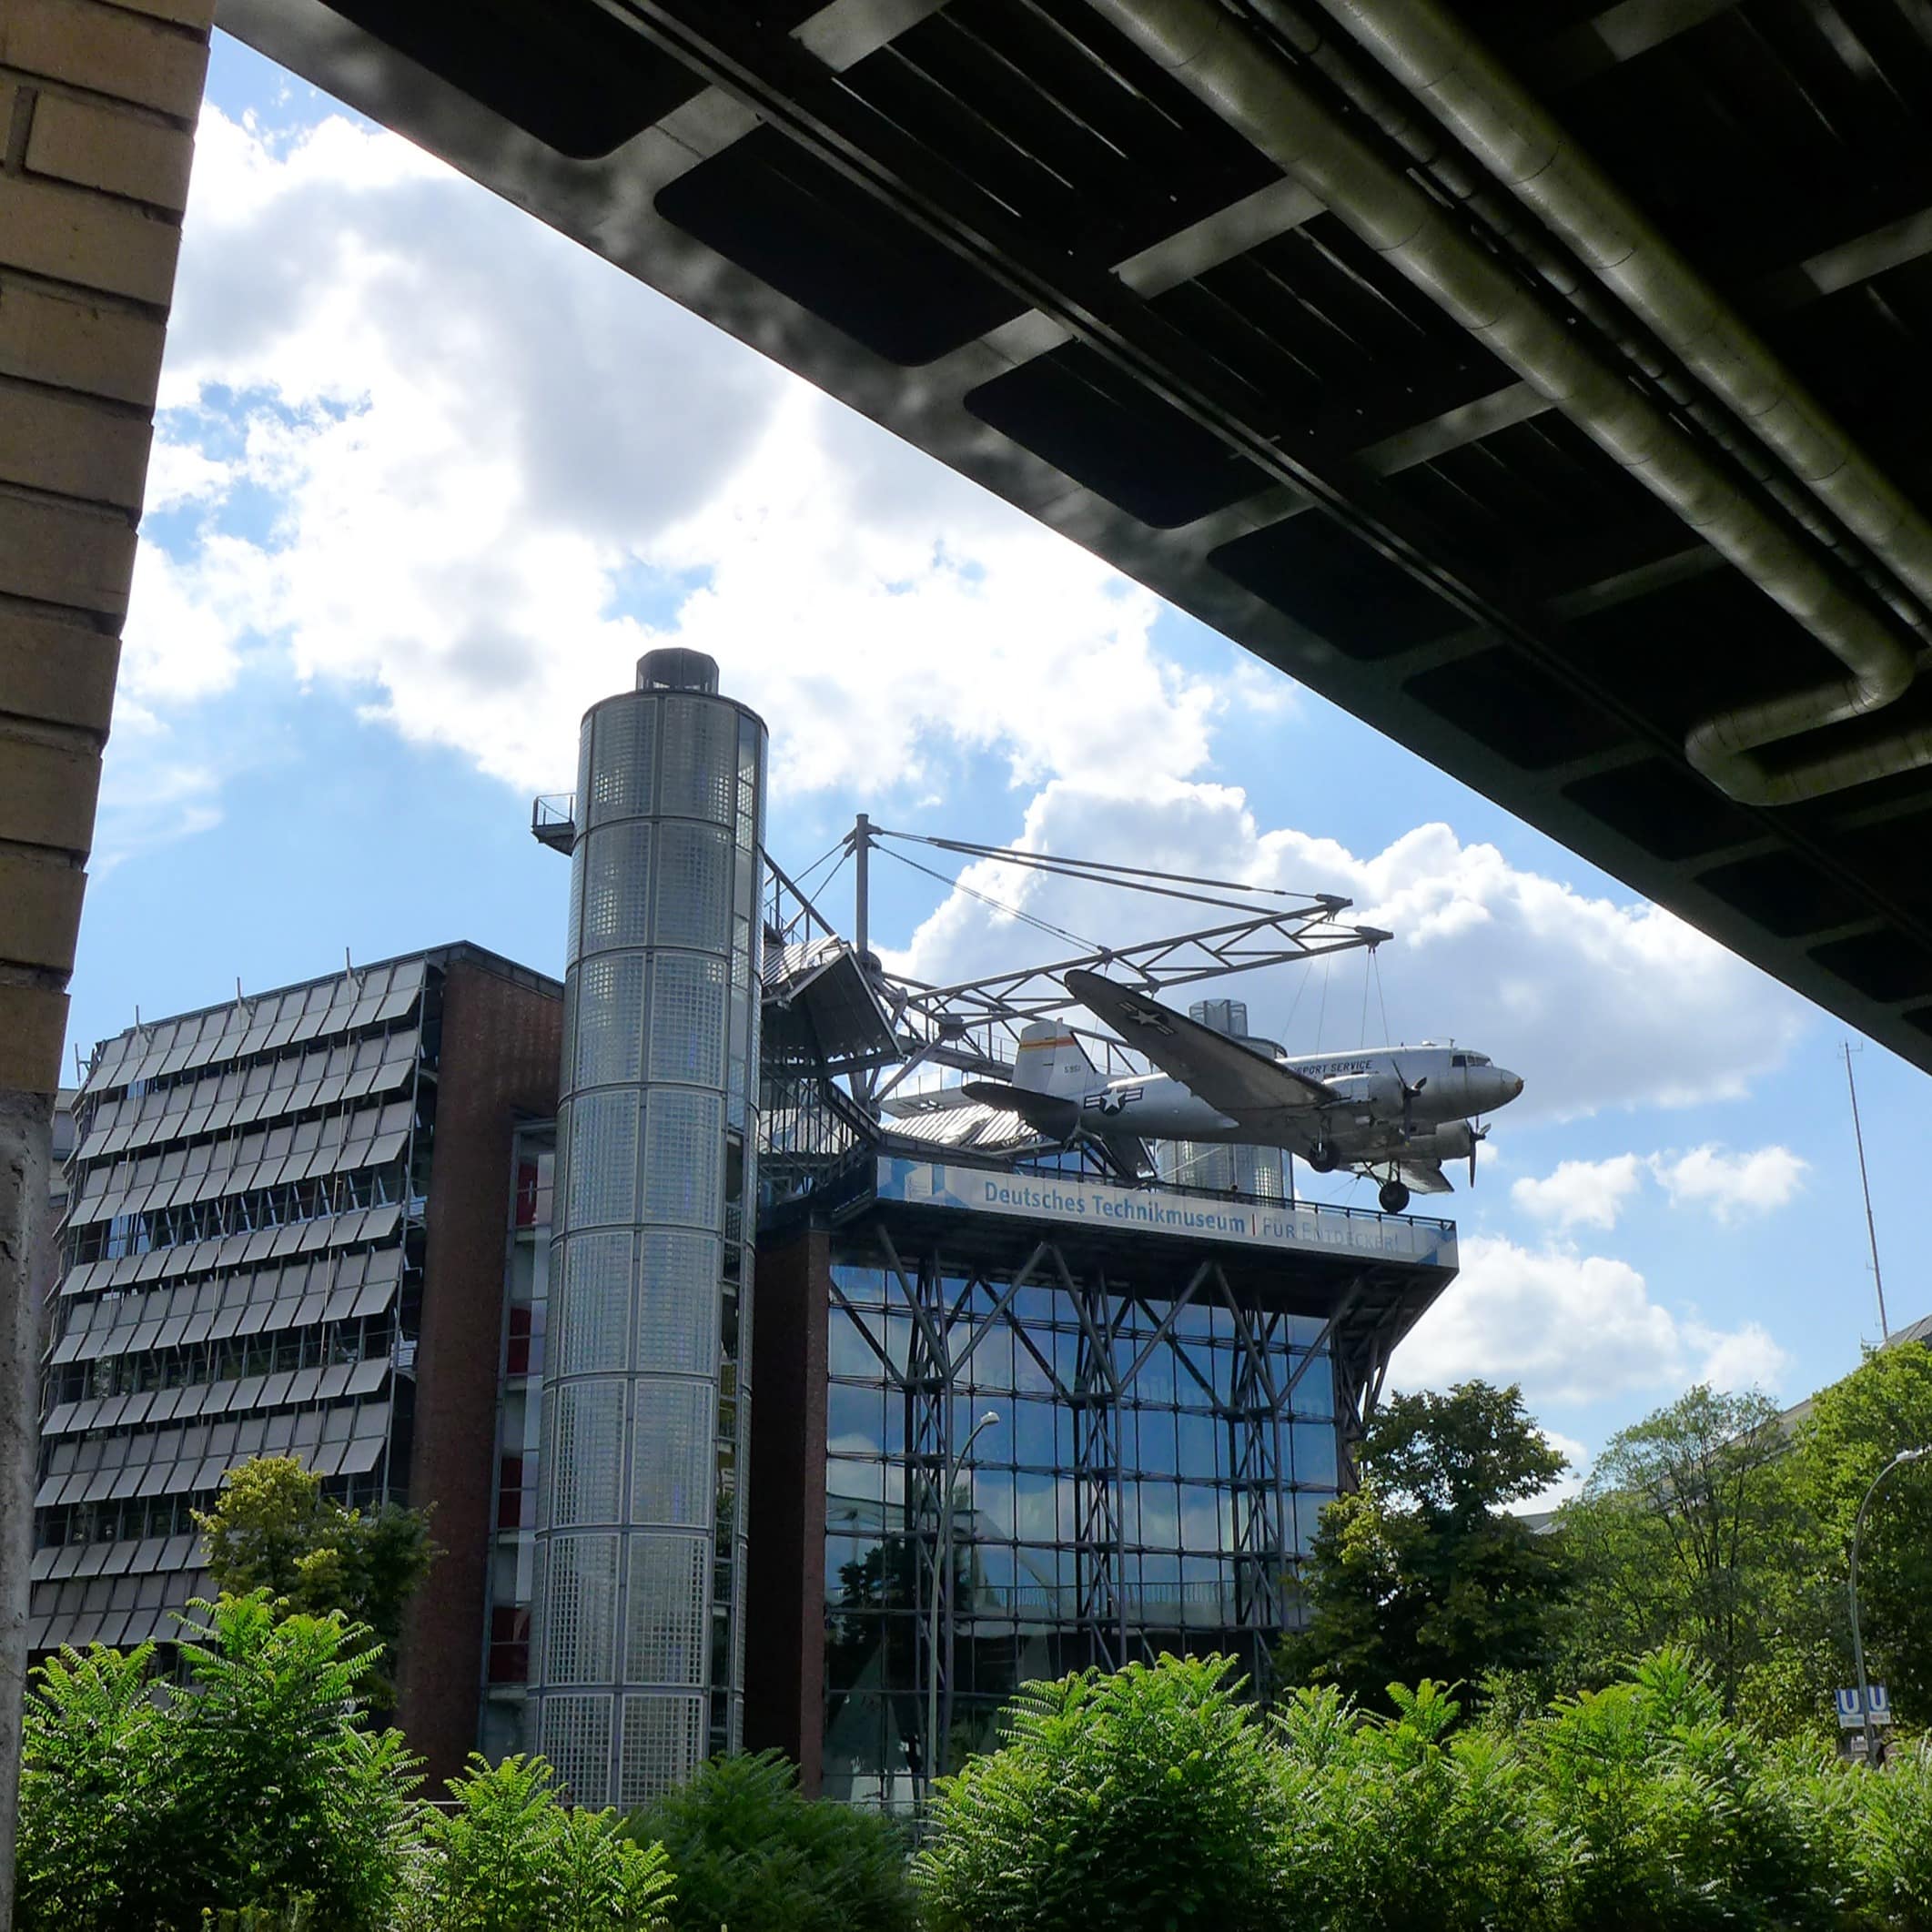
(1085, 1528)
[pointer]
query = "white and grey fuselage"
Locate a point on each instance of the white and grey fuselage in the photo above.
(1445, 1087)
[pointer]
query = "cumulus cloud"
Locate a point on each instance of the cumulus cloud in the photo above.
(1572, 1329)
(1558, 985)
(1594, 1193)
(1731, 1186)
(469, 472)
(1588, 1193)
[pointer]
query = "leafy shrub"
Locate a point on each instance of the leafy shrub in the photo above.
(1889, 1839)
(1663, 1813)
(285, 1795)
(98, 1790)
(253, 1789)
(1394, 1823)
(752, 1854)
(1140, 1799)
(510, 1857)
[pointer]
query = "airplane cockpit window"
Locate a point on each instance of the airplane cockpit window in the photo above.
(1479, 1060)
(1459, 1060)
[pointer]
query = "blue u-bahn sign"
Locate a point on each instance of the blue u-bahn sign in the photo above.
(1851, 1718)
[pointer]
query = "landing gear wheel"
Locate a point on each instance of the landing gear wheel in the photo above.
(1321, 1157)
(1394, 1197)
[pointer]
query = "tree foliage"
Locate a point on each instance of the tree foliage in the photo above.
(252, 1793)
(750, 1851)
(1855, 1428)
(1686, 1533)
(1421, 1572)
(1142, 1799)
(273, 1529)
(254, 1786)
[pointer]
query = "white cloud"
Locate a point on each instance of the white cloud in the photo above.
(1590, 1193)
(499, 469)
(1572, 1328)
(1593, 1193)
(1739, 1358)
(1732, 1186)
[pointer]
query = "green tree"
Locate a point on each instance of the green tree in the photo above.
(1659, 1812)
(273, 1529)
(750, 1851)
(1855, 1428)
(1404, 1824)
(1687, 1532)
(284, 1794)
(1144, 1798)
(1421, 1572)
(98, 1789)
(252, 1786)
(510, 1857)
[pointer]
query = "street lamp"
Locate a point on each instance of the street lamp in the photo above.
(1865, 1702)
(943, 1593)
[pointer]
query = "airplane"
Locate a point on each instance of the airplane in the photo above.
(1393, 1113)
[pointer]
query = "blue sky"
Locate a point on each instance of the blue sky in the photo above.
(428, 479)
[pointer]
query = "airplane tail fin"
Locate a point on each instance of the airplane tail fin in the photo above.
(1050, 1061)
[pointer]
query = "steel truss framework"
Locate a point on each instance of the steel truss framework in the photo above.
(974, 1026)
(954, 1306)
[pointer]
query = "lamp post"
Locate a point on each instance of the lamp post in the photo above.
(1865, 1700)
(942, 1592)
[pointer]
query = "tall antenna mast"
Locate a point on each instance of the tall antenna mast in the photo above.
(1871, 1227)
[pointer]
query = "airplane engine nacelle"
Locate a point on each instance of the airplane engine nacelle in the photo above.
(1453, 1140)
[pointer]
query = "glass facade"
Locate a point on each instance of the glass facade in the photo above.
(1162, 1450)
(638, 1559)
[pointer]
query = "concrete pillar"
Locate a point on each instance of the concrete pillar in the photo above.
(97, 107)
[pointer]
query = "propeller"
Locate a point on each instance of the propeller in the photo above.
(1408, 1098)
(1477, 1138)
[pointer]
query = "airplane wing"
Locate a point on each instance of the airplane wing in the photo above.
(1231, 1078)
(1424, 1177)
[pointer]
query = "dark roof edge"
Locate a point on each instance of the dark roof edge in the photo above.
(455, 952)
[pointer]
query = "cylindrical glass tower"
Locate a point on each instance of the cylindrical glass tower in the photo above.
(1216, 1164)
(637, 1664)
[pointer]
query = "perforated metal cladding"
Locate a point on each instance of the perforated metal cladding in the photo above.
(602, 1187)
(677, 1304)
(667, 1625)
(684, 1155)
(687, 1018)
(673, 1471)
(694, 886)
(574, 935)
(701, 761)
(664, 1743)
(617, 886)
(591, 1317)
(575, 1736)
(579, 1619)
(608, 1024)
(622, 760)
(584, 1454)
(635, 1477)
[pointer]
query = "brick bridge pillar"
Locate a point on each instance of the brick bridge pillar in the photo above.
(97, 107)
